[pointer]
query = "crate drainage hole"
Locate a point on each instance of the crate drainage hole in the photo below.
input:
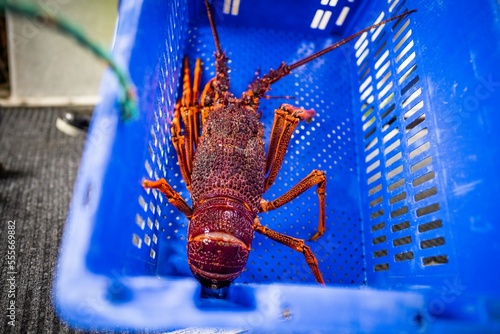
(398, 151)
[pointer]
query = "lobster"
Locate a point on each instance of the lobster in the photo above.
(219, 142)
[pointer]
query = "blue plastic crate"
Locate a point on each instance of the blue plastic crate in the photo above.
(405, 130)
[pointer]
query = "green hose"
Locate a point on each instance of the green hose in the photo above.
(129, 108)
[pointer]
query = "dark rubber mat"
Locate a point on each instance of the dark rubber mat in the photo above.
(39, 165)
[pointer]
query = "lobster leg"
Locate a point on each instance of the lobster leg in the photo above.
(178, 140)
(286, 119)
(172, 196)
(294, 243)
(191, 110)
(185, 138)
(206, 100)
(195, 115)
(314, 178)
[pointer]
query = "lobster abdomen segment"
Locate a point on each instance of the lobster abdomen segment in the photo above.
(217, 259)
(220, 239)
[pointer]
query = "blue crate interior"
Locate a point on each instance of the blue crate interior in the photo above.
(405, 130)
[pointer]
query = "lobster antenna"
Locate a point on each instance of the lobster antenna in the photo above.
(346, 40)
(212, 26)
(258, 88)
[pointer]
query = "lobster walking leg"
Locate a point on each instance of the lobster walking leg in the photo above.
(185, 137)
(314, 178)
(294, 243)
(206, 100)
(191, 108)
(173, 196)
(286, 119)
(178, 140)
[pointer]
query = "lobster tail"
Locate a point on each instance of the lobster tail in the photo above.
(219, 242)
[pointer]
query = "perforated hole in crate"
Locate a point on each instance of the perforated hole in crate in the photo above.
(326, 143)
(331, 11)
(147, 233)
(398, 167)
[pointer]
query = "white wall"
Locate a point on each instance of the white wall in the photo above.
(49, 68)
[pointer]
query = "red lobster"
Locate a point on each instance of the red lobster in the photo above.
(227, 171)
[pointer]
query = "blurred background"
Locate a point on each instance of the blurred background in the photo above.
(39, 66)
(44, 75)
